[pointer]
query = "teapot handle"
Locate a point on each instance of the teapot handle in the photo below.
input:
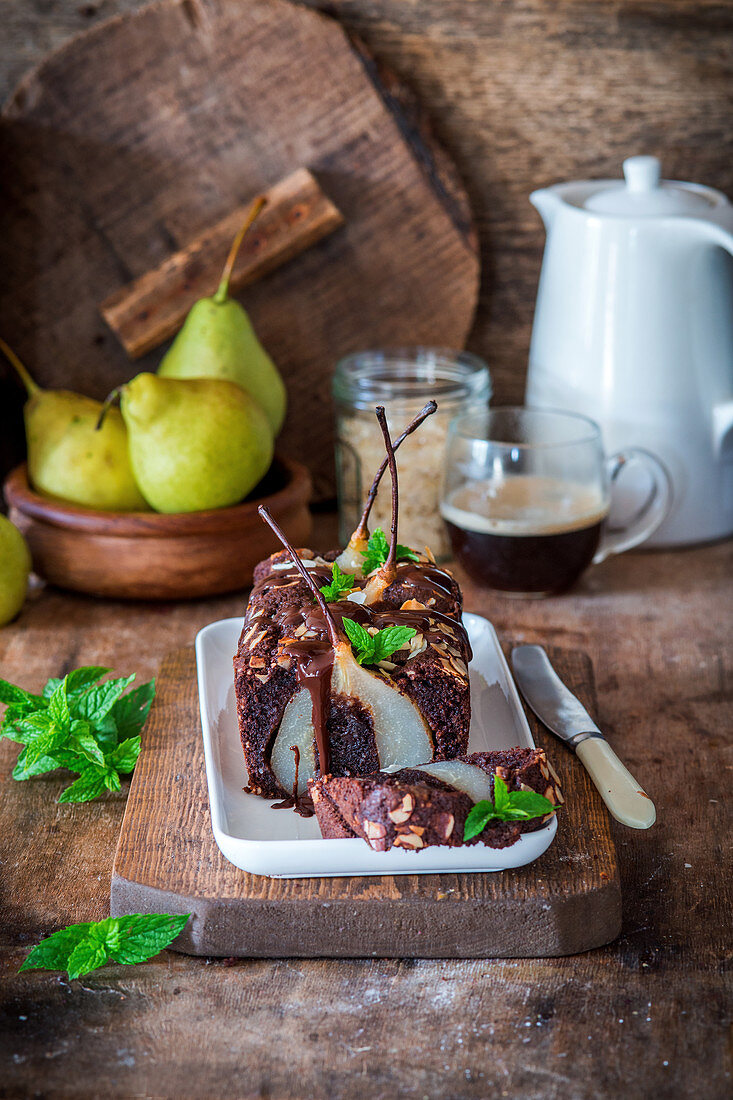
(652, 510)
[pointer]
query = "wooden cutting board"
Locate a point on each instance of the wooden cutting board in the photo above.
(142, 133)
(167, 861)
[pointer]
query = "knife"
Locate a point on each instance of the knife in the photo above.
(567, 718)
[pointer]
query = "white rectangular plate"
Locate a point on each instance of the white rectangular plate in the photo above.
(279, 843)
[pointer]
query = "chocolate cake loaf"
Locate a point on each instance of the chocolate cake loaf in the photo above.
(346, 673)
(414, 808)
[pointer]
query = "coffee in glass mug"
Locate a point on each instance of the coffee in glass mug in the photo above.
(527, 494)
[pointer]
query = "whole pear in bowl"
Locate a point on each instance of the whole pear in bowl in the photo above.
(217, 340)
(68, 455)
(15, 567)
(194, 443)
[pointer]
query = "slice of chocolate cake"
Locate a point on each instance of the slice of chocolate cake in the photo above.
(415, 808)
(375, 677)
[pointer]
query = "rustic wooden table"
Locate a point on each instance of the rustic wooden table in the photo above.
(647, 1015)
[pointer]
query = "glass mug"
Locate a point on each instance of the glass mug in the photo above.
(526, 496)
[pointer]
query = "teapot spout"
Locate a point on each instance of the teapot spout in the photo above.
(546, 202)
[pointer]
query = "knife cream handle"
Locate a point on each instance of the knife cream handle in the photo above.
(627, 802)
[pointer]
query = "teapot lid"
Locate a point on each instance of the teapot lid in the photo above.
(643, 194)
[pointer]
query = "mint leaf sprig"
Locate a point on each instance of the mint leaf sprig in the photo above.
(377, 551)
(341, 584)
(373, 648)
(78, 723)
(507, 806)
(81, 948)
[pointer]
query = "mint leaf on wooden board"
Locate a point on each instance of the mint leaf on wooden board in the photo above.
(54, 952)
(124, 756)
(90, 728)
(96, 703)
(10, 694)
(88, 786)
(134, 939)
(507, 806)
(377, 552)
(130, 712)
(88, 955)
(27, 770)
(81, 948)
(82, 678)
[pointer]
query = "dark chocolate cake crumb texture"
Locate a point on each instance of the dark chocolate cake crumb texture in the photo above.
(412, 809)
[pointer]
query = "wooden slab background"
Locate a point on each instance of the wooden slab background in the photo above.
(521, 94)
(140, 135)
(167, 861)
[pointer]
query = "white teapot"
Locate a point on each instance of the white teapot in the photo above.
(634, 328)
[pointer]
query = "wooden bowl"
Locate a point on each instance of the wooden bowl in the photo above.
(148, 556)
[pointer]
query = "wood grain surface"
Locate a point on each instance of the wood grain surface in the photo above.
(141, 134)
(167, 861)
(522, 94)
(648, 1015)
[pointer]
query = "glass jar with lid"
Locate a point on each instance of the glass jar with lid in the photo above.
(402, 380)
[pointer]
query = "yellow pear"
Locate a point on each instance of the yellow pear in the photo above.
(194, 443)
(15, 567)
(68, 457)
(217, 340)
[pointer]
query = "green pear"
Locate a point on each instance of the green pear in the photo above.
(15, 567)
(217, 340)
(195, 443)
(68, 457)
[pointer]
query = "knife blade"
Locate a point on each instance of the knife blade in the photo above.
(566, 717)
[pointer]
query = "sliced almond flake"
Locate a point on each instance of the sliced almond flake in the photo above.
(459, 666)
(412, 605)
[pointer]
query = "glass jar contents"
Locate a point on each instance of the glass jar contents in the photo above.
(402, 380)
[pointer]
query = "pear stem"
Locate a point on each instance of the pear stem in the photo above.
(362, 530)
(253, 212)
(32, 388)
(109, 399)
(333, 633)
(388, 572)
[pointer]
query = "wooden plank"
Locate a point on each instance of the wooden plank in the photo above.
(167, 860)
(522, 94)
(153, 307)
(143, 133)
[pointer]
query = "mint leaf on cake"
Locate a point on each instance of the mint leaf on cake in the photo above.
(370, 649)
(341, 584)
(377, 550)
(507, 806)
